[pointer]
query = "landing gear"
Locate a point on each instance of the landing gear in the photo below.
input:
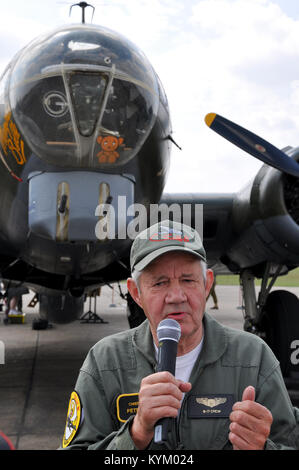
(253, 307)
(91, 316)
(274, 316)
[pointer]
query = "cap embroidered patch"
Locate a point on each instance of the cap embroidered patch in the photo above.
(73, 419)
(126, 406)
(162, 238)
(212, 406)
(167, 233)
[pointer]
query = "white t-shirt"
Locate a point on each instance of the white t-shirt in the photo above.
(185, 363)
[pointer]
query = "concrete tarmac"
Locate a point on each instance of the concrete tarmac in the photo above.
(40, 367)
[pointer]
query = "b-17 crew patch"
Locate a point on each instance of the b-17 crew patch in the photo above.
(73, 420)
(212, 406)
(126, 406)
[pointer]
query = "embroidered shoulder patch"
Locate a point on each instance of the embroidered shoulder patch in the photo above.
(73, 419)
(126, 406)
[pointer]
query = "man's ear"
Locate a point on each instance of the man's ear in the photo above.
(209, 281)
(133, 290)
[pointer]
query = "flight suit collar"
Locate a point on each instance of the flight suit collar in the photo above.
(214, 344)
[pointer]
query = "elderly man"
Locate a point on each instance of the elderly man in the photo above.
(227, 392)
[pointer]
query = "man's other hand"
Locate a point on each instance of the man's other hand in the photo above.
(250, 423)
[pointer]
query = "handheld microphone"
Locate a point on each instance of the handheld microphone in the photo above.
(169, 333)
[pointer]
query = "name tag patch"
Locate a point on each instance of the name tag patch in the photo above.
(126, 406)
(210, 406)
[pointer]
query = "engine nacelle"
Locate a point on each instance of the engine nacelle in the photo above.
(266, 220)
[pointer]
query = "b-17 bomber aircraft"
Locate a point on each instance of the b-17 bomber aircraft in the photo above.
(85, 125)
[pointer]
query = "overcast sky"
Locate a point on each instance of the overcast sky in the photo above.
(238, 58)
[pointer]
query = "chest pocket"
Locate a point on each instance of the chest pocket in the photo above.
(205, 424)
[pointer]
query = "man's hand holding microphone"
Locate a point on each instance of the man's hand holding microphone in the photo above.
(161, 393)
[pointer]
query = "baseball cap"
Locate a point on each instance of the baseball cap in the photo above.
(164, 237)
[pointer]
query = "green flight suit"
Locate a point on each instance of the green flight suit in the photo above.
(230, 360)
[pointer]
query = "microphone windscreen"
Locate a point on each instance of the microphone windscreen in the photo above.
(169, 329)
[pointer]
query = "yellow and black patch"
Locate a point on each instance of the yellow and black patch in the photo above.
(126, 406)
(73, 419)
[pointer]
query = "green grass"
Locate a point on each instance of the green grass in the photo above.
(290, 280)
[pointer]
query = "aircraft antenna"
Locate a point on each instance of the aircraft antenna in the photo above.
(169, 137)
(83, 6)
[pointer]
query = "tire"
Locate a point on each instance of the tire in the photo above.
(280, 323)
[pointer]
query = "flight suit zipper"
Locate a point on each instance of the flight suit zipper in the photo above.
(179, 444)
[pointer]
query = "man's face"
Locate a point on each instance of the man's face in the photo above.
(173, 286)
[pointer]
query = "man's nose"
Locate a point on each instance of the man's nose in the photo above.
(175, 294)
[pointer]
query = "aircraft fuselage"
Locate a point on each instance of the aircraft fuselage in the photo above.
(84, 121)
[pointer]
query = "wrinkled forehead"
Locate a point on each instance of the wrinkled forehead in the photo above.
(176, 262)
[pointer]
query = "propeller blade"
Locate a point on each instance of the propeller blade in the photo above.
(252, 144)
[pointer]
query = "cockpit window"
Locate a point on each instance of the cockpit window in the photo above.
(84, 97)
(87, 93)
(126, 118)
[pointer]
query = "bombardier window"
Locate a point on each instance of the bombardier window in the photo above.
(84, 98)
(43, 114)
